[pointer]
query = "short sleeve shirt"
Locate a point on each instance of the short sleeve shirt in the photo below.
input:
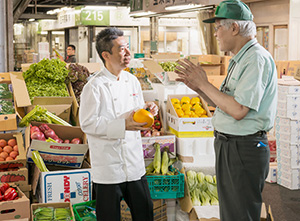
(252, 81)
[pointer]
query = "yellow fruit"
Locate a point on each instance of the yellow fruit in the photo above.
(194, 115)
(185, 107)
(176, 105)
(204, 115)
(196, 106)
(175, 101)
(188, 112)
(179, 112)
(142, 116)
(185, 100)
(200, 111)
(195, 100)
(185, 116)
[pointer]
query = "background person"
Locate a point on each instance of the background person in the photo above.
(107, 105)
(70, 58)
(245, 111)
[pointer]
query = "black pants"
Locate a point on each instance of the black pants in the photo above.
(242, 165)
(136, 194)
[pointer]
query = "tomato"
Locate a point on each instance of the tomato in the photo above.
(142, 116)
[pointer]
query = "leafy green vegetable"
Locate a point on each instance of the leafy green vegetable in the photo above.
(6, 107)
(46, 79)
(168, 65)
(5, 93)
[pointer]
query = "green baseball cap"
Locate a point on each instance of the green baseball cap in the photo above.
(231, 9)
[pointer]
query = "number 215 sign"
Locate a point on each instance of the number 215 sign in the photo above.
(94, 17)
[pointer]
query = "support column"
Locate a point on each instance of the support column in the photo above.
(3, 46)
(153, 35)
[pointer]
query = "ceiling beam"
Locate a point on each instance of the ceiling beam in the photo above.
(20, 9)
(37, 16)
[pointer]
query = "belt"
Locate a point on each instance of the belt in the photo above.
(257, 134)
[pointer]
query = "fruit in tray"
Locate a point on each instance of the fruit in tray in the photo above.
(8, 149)
(188, 108)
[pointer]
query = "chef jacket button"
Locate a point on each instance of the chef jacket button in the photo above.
(124, 142)
(110, 84)
(115, 99)
(118, 113)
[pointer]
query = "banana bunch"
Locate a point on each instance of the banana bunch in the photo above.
(161, 162)
(45, 213)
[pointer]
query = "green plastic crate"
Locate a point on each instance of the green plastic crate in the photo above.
(79, 206)
(166, 186)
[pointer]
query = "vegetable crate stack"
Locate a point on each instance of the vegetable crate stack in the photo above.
(13, 161)
(287, 127)
(60, 173)
(189, 119)
(201, 197)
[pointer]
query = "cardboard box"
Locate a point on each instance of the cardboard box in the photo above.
(216, 80)
(208, 58)
(7, 121)
(20, 160)
(35, 206)
(288, 68)
(159, 210)
(165, 57)
(61, 154)
(17, 176)
(167, 140)
(225, 60)
(212, 69)
(16, 209)
(61, 106)
(188, 127)
(167, 78)
(61, 184)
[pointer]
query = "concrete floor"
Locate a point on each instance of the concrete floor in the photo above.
(285, 203)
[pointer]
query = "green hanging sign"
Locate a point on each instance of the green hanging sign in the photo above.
(94, 17)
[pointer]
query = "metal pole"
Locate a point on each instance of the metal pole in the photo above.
(3, 46)
(153, 35)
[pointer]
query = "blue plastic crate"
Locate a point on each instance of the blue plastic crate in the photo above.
(166, 186)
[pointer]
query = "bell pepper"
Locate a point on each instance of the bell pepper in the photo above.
(4, 187)
(156, 125)
(10, 194)
(1, 197)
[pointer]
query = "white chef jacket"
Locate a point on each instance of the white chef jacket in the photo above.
(116, 154)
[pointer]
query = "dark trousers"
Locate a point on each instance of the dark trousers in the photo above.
(135, 193)
(242, 165)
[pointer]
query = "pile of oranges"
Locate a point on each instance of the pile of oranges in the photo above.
(186, 107)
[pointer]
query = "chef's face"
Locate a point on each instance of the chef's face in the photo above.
(120, 53)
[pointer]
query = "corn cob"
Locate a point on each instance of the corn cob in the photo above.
(157, 158)
(164, 163)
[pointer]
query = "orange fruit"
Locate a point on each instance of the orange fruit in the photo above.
(142, 116)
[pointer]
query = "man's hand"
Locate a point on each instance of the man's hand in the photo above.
(153, 108)
(130, 124)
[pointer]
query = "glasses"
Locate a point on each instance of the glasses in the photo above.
(217, 27)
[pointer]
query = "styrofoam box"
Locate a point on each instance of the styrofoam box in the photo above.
(290, 108)
(285, 167)
(43, 47)
(195, 146)
(286, 125)
(272, 175)
(290, 138)
(291, 98)
(288, 89)
(292, 162)
(288, 150)
(293, 175)
(290, 184)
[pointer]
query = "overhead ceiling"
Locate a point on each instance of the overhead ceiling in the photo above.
(25, 9)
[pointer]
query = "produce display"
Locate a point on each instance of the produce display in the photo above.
(40, 114)
(8, 149)
(6, 104)
(155, 128)
(45, 133)
(187, 107)
(39, 162)
(46, 79)
(142, 76)
(161, 162)
(7, 192)
(168, 65)
(5, 93)
(203, 188)
(78, 76)
(47, 213)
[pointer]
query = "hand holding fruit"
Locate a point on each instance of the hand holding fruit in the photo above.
(131, 124)
(152, 107)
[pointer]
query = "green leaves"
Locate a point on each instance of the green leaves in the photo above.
(46, 79)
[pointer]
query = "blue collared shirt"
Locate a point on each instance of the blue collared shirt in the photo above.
(252, 81)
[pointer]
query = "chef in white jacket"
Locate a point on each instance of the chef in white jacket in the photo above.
(108, 102)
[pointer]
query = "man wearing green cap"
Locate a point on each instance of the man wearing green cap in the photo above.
(245, 111)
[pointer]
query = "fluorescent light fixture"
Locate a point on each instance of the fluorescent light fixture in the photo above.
(180, 7)
(31, 19)
(139, 14)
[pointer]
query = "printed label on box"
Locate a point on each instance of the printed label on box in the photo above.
(74, 187)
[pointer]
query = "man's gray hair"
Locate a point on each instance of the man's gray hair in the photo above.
(247, 28)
